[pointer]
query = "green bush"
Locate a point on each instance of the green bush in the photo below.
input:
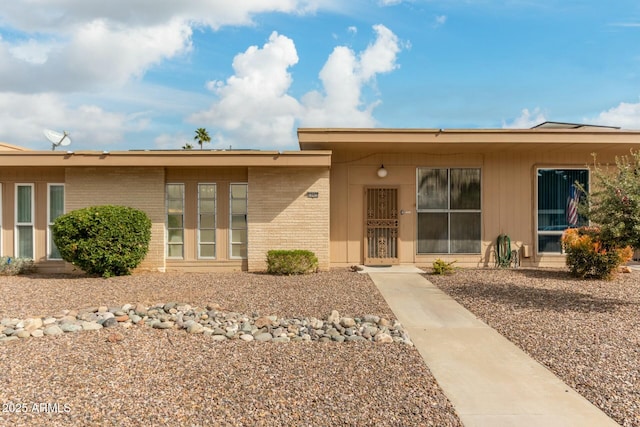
(441, 267)
(103, 240)
(589, 256)
(291, 262)
(12, 266)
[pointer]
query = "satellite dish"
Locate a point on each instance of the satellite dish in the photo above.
(57, 138)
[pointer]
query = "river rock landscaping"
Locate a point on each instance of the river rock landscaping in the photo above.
(198, 372)
(212, 322)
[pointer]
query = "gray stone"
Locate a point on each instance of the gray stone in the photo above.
(8, 331)
(127, 307)
(355, 338)
(70, 327)
(281, 339)
(218, 337)
(135, 318)
(370, 318)
(338, 338)
(49, 321)
(37, 333)
(246, 337)
(90, 326)
(163, 325)
(141, 310)
(264, 336)
(195, 328)
(53, 330)
(109, 322)
(7, 339)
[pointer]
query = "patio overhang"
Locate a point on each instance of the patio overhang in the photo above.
(439, 141)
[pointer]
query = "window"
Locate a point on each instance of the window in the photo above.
(55, 208)
(448, 204)
(238, 220)
(206, 220)
(175, 220)
(24, 221)
(558, 197)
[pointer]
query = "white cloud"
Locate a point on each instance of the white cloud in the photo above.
(624, 115)
(440, 20)
(526, 120)
(389, 2)
(254, 107)
(23, 117)
(55, 52)
(343, 77)
(72, 45)
(253, 103)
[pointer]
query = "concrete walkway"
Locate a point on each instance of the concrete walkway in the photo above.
(490, 381)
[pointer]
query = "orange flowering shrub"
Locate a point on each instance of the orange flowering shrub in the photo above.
(589, 256)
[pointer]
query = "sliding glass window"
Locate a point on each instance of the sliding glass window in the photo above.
(238, 220)
(207, 221)
(558, 198)
(175, 220)
(449, 212)
(24, 221)
(55, 203)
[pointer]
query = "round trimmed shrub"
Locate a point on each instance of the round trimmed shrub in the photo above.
(103, 240)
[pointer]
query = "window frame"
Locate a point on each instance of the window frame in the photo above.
(215, 222)
(50, 242)
(231, 227)
(31, 223)
(448, 210)
(167, 227)
(536, 212)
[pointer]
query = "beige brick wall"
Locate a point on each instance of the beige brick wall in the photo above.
(281, 216)
(136, 187)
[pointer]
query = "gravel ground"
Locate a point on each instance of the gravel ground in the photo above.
(154, 377)
(586, 331)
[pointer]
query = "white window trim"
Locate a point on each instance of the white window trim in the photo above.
(23, 224)
(535, 213)
(448, 210)
(231, 220)
(166, 219)
(49, 222)
(215, 221)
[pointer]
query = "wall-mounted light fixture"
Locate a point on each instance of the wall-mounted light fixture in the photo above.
(382, 172)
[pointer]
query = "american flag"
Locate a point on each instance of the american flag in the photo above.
(572, 205)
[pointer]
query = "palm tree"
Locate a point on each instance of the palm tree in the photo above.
(202, 136)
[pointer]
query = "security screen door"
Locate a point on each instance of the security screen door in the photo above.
(381, 222)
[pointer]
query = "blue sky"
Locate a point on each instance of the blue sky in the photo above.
(132, 74)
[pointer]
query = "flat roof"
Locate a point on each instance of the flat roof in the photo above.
(381, 140)
(168, 158)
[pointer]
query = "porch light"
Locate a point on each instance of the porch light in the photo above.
(382, 172)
